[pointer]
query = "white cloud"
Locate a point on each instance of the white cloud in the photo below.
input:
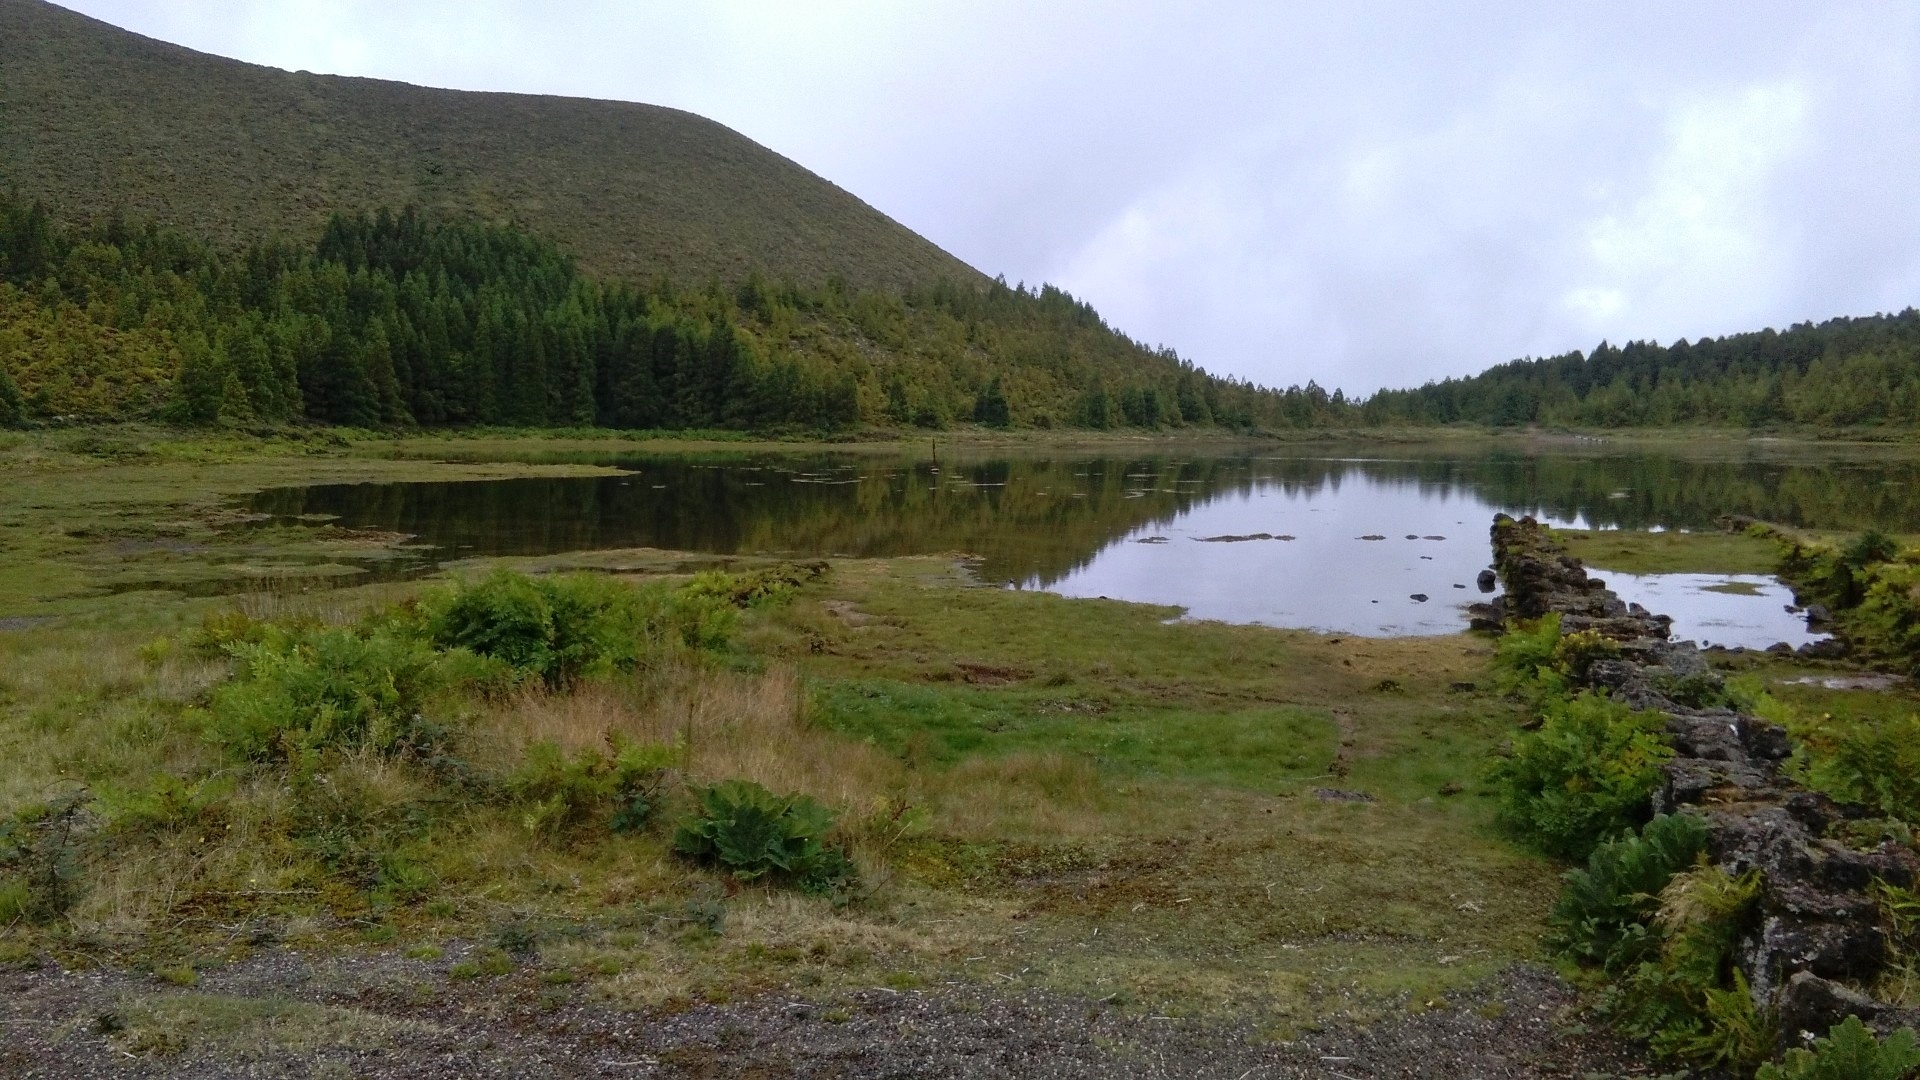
(1702, 233)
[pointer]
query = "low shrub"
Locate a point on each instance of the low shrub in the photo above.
(753, 833)
(1886, 621)
(1899, 980)
(1585, 774)
(1849, 1052)
(359, 829)
(1606, 912)
(1836, 576)
(1662, 923)
(164, 804)
(220, 630)
(616, 790)
(558, 628)
(1687, 1000)
(563, 628)
(1537, 661)
(293, 693)
(40, 859)
(1524, 658)
(1872, 762)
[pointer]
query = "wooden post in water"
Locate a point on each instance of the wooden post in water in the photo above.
(935, 443)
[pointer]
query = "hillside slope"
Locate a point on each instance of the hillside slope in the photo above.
(93, 118)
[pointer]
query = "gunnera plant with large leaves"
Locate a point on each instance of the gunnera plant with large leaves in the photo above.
(752, 833)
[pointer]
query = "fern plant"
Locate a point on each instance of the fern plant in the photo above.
(1849, 1052)
(1588, 773)
(1606, 912)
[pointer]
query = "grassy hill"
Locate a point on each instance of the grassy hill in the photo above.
(93, 118)
(191, 237)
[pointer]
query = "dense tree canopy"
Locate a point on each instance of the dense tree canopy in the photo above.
(1839, 373)
(395, 319)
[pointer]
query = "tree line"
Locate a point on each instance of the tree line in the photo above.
(1839, 373)
(400, 319)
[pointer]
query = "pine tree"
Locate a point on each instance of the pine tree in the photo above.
(12, 410)
(991, 407)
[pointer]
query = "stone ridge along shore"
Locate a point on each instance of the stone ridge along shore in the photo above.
(1818, 940)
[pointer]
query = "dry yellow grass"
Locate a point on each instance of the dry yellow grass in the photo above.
(727, 725)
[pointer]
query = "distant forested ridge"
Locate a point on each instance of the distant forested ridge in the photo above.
(393, 320)
(1839, 373)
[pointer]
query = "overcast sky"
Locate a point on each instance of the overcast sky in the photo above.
(1361, 193)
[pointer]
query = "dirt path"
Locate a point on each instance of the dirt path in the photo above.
(280, 1015)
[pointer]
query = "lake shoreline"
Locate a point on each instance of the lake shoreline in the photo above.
(1275, 838)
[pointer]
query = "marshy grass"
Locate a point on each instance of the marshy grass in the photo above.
(1041, 792)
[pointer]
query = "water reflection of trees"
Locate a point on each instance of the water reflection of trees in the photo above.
(1025, 518)
(1042, 518)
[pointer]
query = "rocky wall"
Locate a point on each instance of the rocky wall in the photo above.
(1818, 940)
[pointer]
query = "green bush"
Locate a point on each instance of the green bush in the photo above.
(219, 631)
(1886, 621)
(700, 615)
(1873, 762)
(1586, 774)
(558, 628)
(165, 804)
(1606, 912)
(1524, 658)
(567, 627)
(1836, 576)
(560, 794)
(293, 693)
(40, 859)
(1537, 661)
(753, 833)
(1688, 1001)
(1849, 1052)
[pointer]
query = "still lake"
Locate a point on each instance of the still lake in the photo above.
(1368, 540)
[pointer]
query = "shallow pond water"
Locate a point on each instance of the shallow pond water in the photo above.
(1358, 542)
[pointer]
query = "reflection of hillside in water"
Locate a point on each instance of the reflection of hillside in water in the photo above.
(1041, 518)
(1024, 517)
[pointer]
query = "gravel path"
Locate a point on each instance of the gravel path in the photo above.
(387, 1017)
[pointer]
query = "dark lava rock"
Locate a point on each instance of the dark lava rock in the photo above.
(1487, 581)
(1829, 649)
(1370, 536)
(1810, 1006)
(1418, 598)
(1817, 918)
(1327, 794)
